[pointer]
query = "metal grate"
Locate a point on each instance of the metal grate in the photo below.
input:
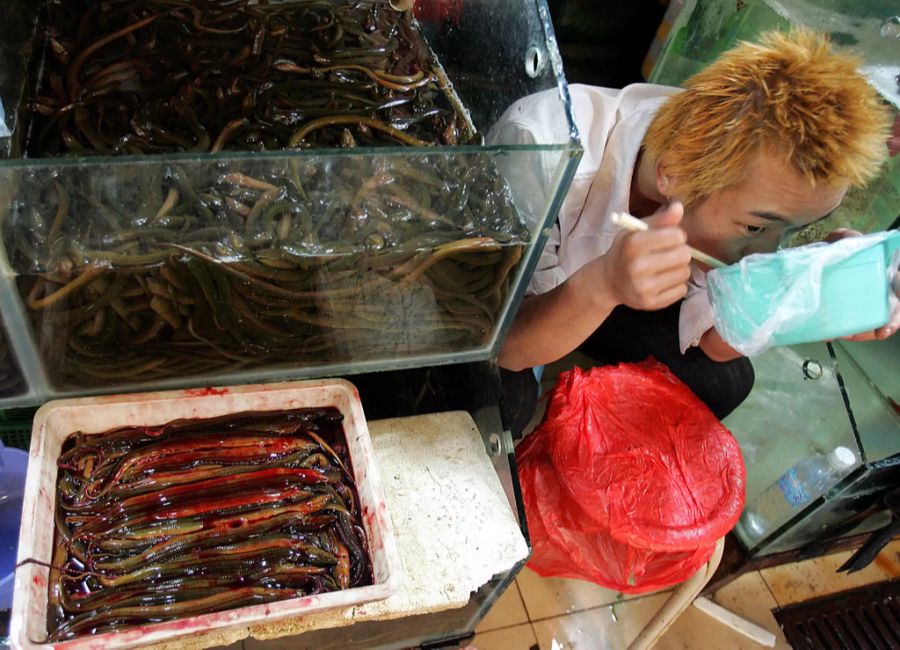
(867, 618)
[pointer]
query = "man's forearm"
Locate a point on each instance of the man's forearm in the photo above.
(644, 270)
(553, 324)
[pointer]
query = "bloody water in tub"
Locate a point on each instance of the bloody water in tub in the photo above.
(194, 516)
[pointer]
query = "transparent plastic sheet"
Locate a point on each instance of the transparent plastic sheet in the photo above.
(4, 130)
(18, 26)
(629, 481)
(806, 294)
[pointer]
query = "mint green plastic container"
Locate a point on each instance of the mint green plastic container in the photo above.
(769, 300)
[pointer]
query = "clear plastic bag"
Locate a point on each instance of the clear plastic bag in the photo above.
(4, 130)
(805, 294)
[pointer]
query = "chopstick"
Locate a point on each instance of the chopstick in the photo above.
(626, 221)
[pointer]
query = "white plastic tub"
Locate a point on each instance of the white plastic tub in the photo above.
(55, 421)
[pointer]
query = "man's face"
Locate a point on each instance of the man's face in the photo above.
(754, 215)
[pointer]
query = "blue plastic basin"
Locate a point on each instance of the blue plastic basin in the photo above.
(15, 464)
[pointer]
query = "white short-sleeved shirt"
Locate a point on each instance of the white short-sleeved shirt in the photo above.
(612, 125)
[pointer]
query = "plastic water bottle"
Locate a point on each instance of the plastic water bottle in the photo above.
(801, 484)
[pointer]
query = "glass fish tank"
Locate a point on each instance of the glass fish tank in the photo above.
(228, 192)
(703, 29)
(807, 401)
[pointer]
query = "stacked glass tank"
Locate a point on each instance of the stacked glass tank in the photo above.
(228, 193)
(808, 400)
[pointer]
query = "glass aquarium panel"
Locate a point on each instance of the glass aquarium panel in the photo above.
(854, 507)
(706, 28)
(806, 402)
(878, 361)
(872, 382)
(154, 271)
(795, 411)
(18, 22)
(343, 204)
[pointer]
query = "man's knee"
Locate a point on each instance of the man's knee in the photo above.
(727, 387)
(741, 385)
(721, 386)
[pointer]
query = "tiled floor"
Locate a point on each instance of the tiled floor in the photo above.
(553, 613)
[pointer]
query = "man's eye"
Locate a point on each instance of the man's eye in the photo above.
(755, 230)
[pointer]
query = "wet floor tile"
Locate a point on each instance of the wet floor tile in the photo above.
(606, 628)
(508, 611)
(547, 597)
(794, 583)
(749, 598)
(519, 637)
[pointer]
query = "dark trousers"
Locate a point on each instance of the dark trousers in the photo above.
(629, 336)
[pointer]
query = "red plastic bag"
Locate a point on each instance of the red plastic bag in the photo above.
(630, 479)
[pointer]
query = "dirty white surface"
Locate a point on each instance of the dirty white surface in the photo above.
(453, 523)
(445, 497)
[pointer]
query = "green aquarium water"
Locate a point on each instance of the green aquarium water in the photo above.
(871, 28)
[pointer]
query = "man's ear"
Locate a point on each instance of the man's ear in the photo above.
(666, 180)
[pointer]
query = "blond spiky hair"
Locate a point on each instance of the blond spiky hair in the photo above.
(791, 95)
